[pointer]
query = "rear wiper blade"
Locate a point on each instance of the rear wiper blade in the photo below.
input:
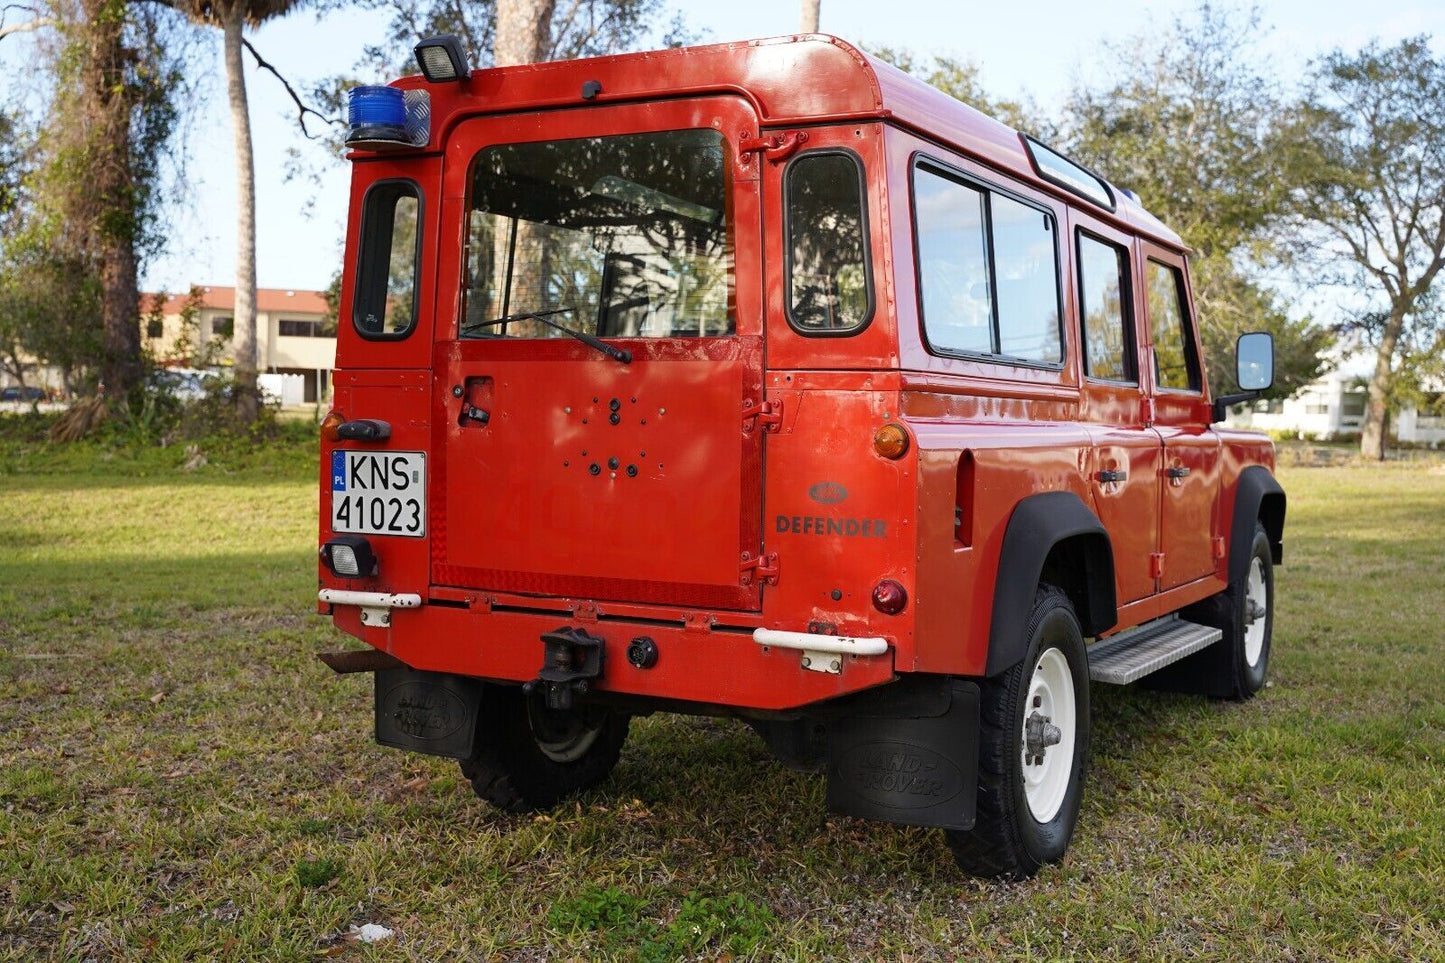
(544, 317)
(509, 318)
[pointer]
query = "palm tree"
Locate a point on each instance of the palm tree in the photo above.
(233, 16)
(524, 31)
(808, 17)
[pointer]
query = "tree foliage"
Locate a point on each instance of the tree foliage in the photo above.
(14, 163)
(49, 301)
(1190, 122)
(1366, 164)
(1188, 118)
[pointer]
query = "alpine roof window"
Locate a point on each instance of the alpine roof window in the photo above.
(625, 236)
(1175, 364)
(385, 302)
(1105, 308)
(1058, 169)
(988, 271)
(828, 279)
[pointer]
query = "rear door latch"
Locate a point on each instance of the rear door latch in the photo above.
(764, 568)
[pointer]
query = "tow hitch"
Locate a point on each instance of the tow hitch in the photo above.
(570, 659)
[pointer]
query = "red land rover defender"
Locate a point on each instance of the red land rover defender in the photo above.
(763, 380)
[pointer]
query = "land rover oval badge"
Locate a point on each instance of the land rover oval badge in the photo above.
(894, 775)
(827, 493)
(424, 711)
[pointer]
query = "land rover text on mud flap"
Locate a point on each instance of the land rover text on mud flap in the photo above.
(762, 380)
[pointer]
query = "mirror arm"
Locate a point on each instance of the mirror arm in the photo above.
(1223, 403)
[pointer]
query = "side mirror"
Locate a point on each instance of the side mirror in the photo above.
(1253, 369)
(1254, 361)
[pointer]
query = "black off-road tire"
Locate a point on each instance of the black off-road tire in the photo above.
(1007, 840)
(1225, 669)
(516, 770)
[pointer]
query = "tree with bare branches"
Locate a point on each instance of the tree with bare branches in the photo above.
(1367, 158)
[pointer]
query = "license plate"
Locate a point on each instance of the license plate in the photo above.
(378, 493)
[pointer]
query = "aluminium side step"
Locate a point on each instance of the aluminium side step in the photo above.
(1133, 654)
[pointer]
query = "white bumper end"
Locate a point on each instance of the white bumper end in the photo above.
(375, 606)
(821, 653)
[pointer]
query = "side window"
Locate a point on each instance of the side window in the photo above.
(384, 305)
(1174, 363)
(829, 287)
(988, 271)
(1104, 304)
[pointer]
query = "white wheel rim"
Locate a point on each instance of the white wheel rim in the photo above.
(1047, 767)
(1256, 612)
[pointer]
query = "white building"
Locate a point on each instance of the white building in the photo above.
(1333, 408)
(293, 336)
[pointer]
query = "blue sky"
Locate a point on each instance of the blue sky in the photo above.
(1038, 47)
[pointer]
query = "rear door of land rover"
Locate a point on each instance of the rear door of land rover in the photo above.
(563, 469)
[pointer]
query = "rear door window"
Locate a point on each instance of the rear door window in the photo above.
(626, 236)
(988, 271)
(385, 303)
(829, 288)
(1175, 364)
(1104, 304)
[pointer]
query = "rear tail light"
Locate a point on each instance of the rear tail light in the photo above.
(889, 597)
(331, 424)
(349, 556)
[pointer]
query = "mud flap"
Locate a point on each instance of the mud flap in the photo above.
(429, 712)
(916, 765)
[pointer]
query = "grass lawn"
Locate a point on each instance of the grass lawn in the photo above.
(180, 778)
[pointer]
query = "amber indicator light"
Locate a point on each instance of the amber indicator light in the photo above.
(891, 441)
(889, 597)
(329, 425)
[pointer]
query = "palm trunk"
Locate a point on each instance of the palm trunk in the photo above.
(245, 308)
(808, 18)
(1372, 433)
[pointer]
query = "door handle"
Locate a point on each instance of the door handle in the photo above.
(1112, 475)
(1178, 471)
(472, 413)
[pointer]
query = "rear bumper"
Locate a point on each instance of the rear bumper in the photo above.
(696, 662)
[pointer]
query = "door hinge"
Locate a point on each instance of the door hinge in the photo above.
(697, 622)
(1217, 544)
(769, 414)
(1156, 564)
(775, 147)
(764, 568)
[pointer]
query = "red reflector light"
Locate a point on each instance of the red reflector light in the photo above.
(329, 425)
(889, 597)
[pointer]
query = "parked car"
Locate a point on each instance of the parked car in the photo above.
(22, 393)
(183, 383)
